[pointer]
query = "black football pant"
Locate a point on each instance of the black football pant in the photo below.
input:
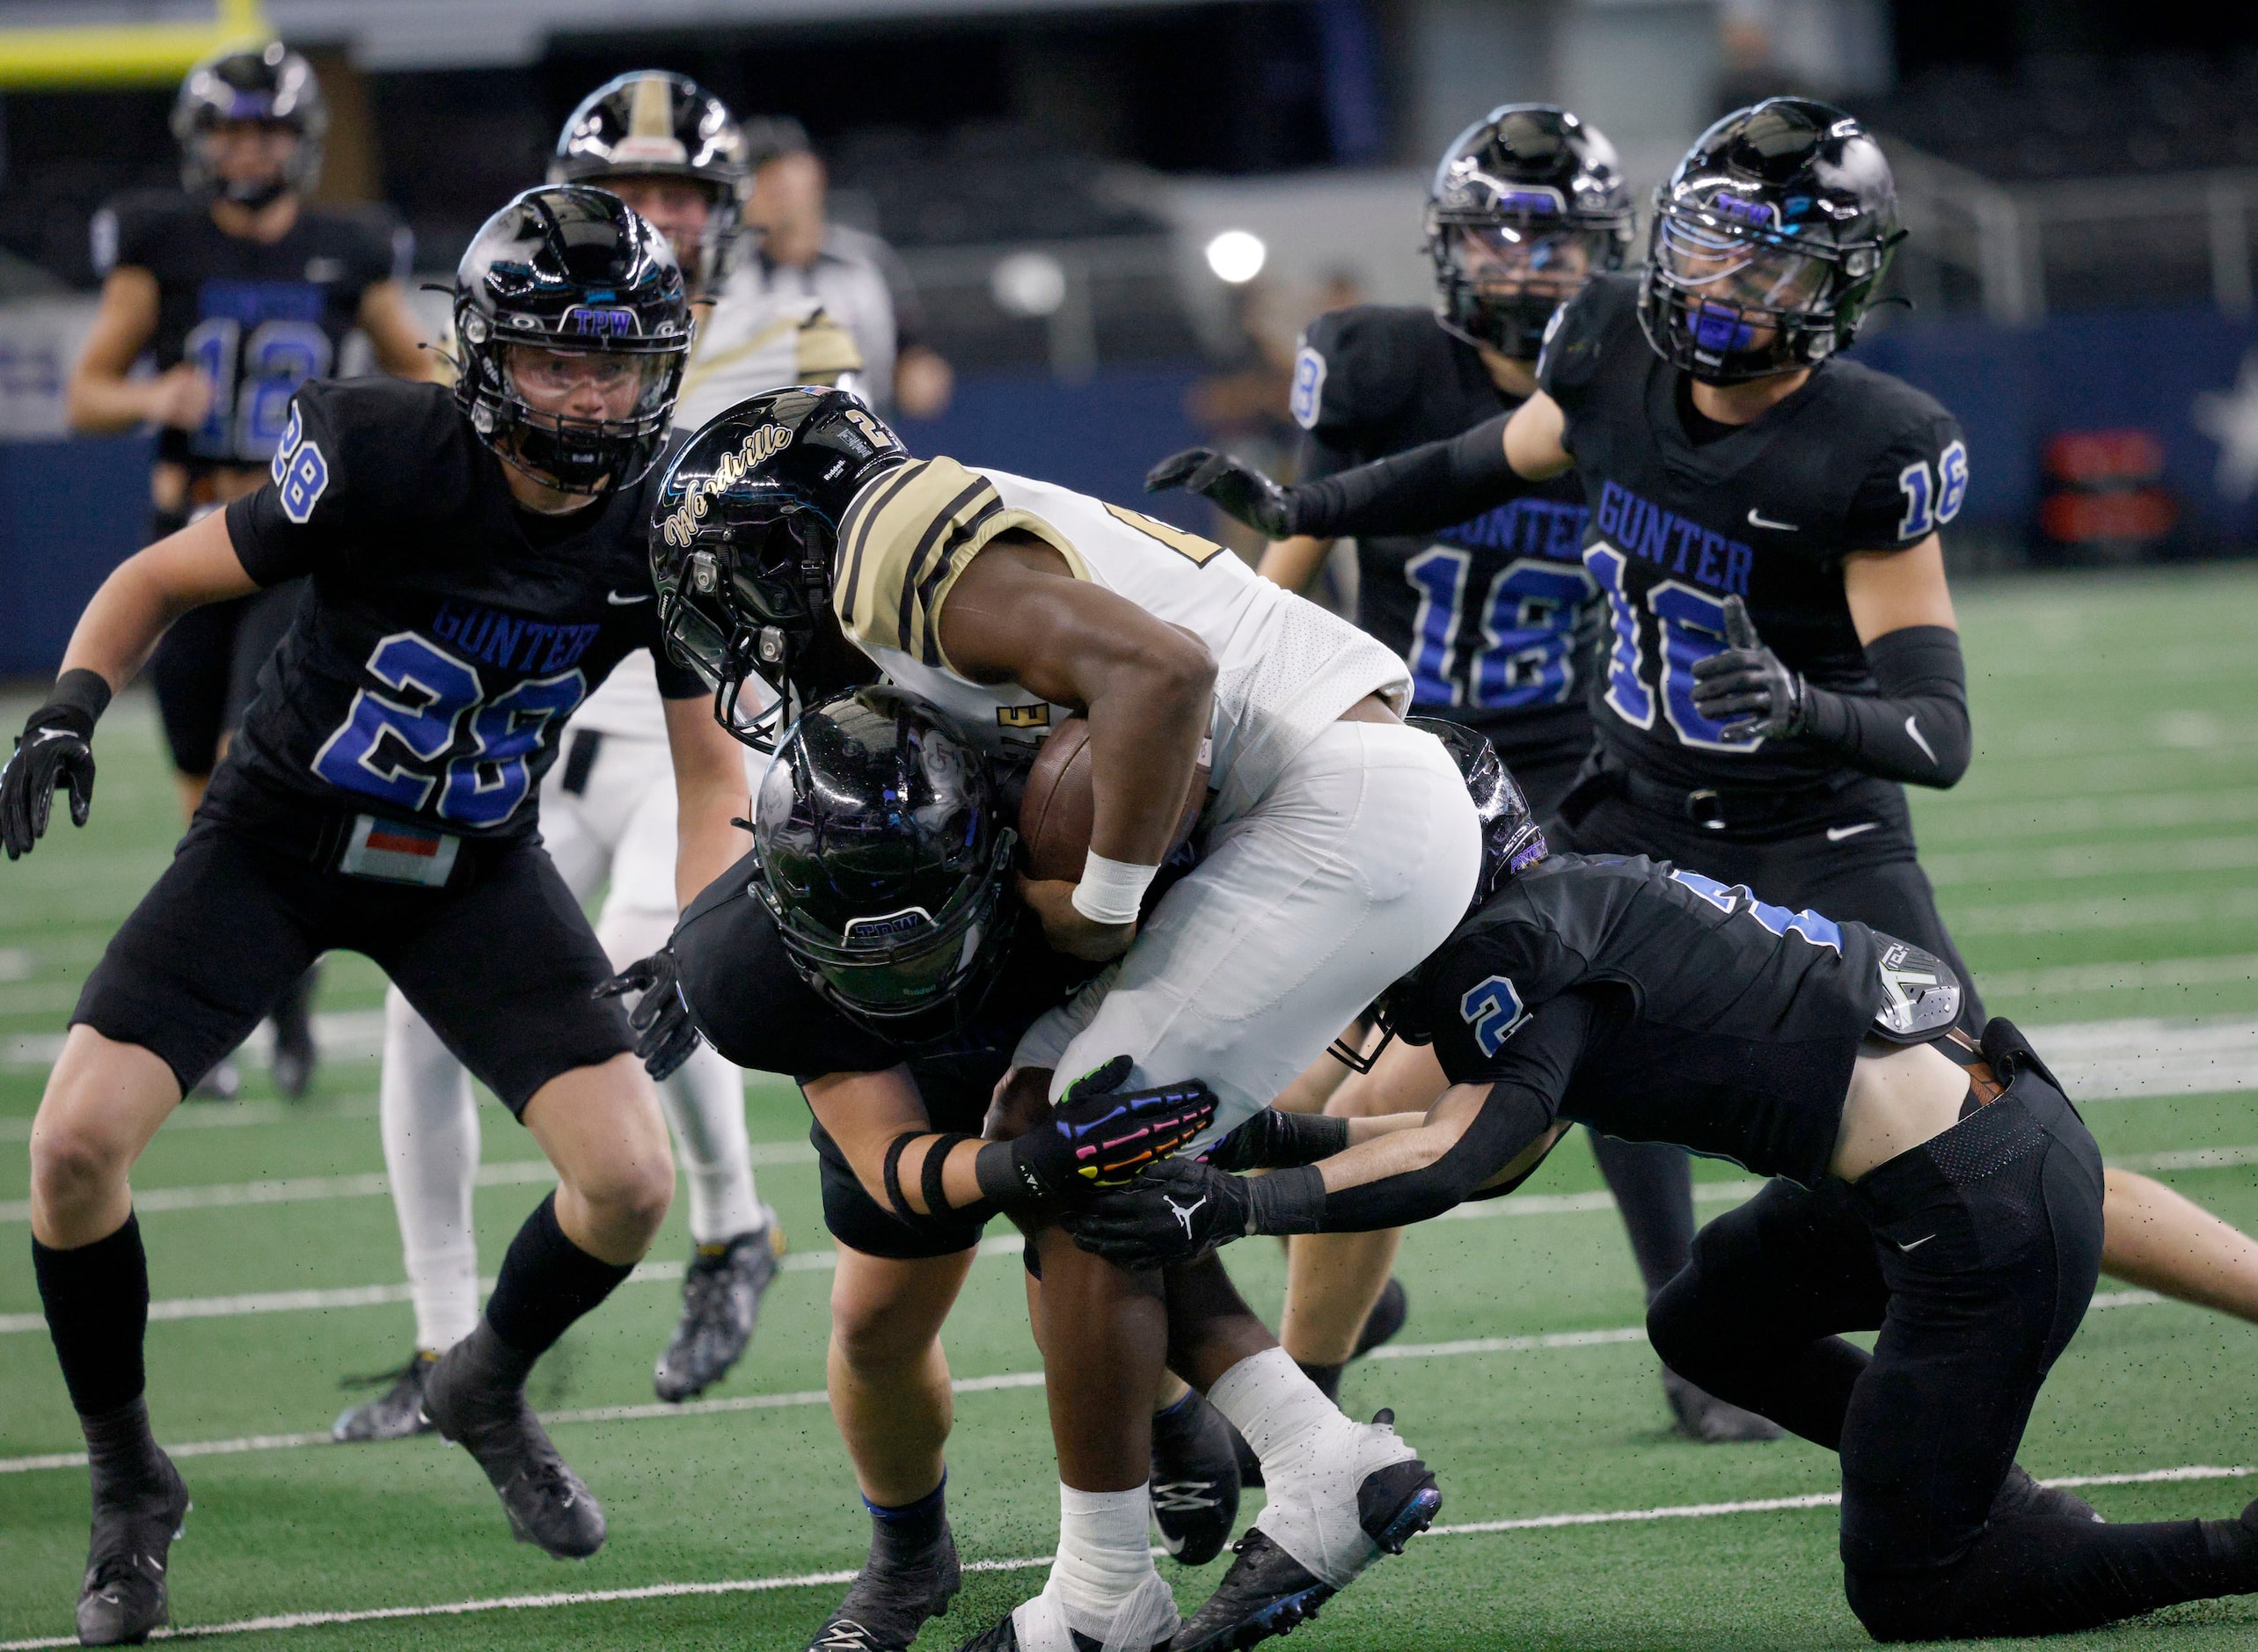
(1974, 1256)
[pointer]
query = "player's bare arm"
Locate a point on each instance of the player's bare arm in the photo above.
(1294, 561)
(101, 399)
(1889, 590)
(150, 589)
(710, 785)
(1533, 447)
(1017, 615)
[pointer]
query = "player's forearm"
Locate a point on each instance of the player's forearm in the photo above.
(100, 403)
(707, 843)
(1916, 728)
(1417, 491)
(147, 592)
(1293, 562)
(1146, 725)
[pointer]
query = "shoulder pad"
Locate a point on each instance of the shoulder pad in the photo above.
(1920, 994)
(121, 231)
(1358, 366)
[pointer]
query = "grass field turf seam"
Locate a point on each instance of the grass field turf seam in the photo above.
(2116, 745)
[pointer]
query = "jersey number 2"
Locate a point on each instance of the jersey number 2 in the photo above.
(395, 746)
(251, 391)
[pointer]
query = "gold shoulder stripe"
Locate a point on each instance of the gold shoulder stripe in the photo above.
(826, 350)
(1198, 550)
(854, 535)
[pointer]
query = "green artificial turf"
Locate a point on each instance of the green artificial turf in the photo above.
(2099, 863)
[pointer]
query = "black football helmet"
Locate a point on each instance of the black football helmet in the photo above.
(650, 123)
(568, 268)
(268, 85)
(1525, 206)
(1769, 242)
(742, 536)
(884, 861)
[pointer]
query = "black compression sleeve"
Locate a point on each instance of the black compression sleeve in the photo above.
(1417, 491)
(1917, 729)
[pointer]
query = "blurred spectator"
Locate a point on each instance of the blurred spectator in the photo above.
(799, 252)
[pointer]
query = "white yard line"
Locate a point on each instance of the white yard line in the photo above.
(649, 1412)
(819, 1580)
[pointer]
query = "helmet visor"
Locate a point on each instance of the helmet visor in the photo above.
(590, 387)
(1525, 258)
(1738, 270)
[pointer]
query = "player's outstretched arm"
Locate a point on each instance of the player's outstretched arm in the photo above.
(710, 794)
(146, 594)
(1017, 615)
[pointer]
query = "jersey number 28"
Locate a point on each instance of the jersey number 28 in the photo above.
(400, 745)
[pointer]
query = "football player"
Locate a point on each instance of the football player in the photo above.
(785, 966)
(1335, 840)
(240, 292)
(476, 563)
(1497, 616)
(672, 151)
(1928, 1184)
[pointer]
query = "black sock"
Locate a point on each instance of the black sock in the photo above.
(1327, 1378)
(97, 1301)
(1653, 1185)
(122, 1460)
(547, 1282)
(908, 1532)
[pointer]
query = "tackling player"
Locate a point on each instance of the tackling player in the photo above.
(240, 292)
(1336, 842)
(475, 560)
(672, 151)
(774, 962)
(1497, 616)
(1934, 1188)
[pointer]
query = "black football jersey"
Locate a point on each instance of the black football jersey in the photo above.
(259, 318)
(1729, 1025)
(446, 634)
(754, 1008)
(1853, 460)
(1497, 616)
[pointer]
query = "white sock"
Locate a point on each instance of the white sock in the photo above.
(705, 1102)
(430, 1124)
(1313, 1460)
(1103, 1580)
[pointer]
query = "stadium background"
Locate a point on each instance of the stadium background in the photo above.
(2079, 179)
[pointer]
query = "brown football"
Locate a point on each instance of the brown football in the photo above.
(1059, 806)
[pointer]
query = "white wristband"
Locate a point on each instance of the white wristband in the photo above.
(1111, 890)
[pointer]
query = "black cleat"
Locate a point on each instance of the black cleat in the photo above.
(395, 1414)
(546, 1502)
(123, 1597)
(889, 1603)
(1700, 1416)
(295, 1052)
(720, 1301)
(2019, 1494)
(1268, 1591)
(1004, 1637)
(1390, 1309)
(1194, 1481)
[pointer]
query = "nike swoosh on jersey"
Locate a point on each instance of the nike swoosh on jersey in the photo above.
(1757, 519)
(1916, 1244)
(1914, 730)
(627, 599)
(1836, 834)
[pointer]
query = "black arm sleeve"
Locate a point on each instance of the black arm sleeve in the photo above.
(1917, 729)
(1417, 491)
(1521, 1105)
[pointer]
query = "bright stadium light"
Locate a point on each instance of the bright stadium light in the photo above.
(1029, 284)
(1236, 256)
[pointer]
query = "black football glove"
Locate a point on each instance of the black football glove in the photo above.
(665, 1036)
(1239, 490)
(1272, 1140)
(1174, 1212)
(1098, 1135)
(55, 748)
(1745, 682)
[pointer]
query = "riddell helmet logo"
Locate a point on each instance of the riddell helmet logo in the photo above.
(730, 470)
(601, 322)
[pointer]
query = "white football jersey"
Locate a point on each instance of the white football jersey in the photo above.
(1286, 669)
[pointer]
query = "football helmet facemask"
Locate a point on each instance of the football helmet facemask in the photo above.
(1769, 242)
(569, 270)
(741, 539)
(884, 861)
(649, 123)
(1526, 206)
(267, 85)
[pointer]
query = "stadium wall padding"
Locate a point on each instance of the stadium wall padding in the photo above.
(69, 512)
